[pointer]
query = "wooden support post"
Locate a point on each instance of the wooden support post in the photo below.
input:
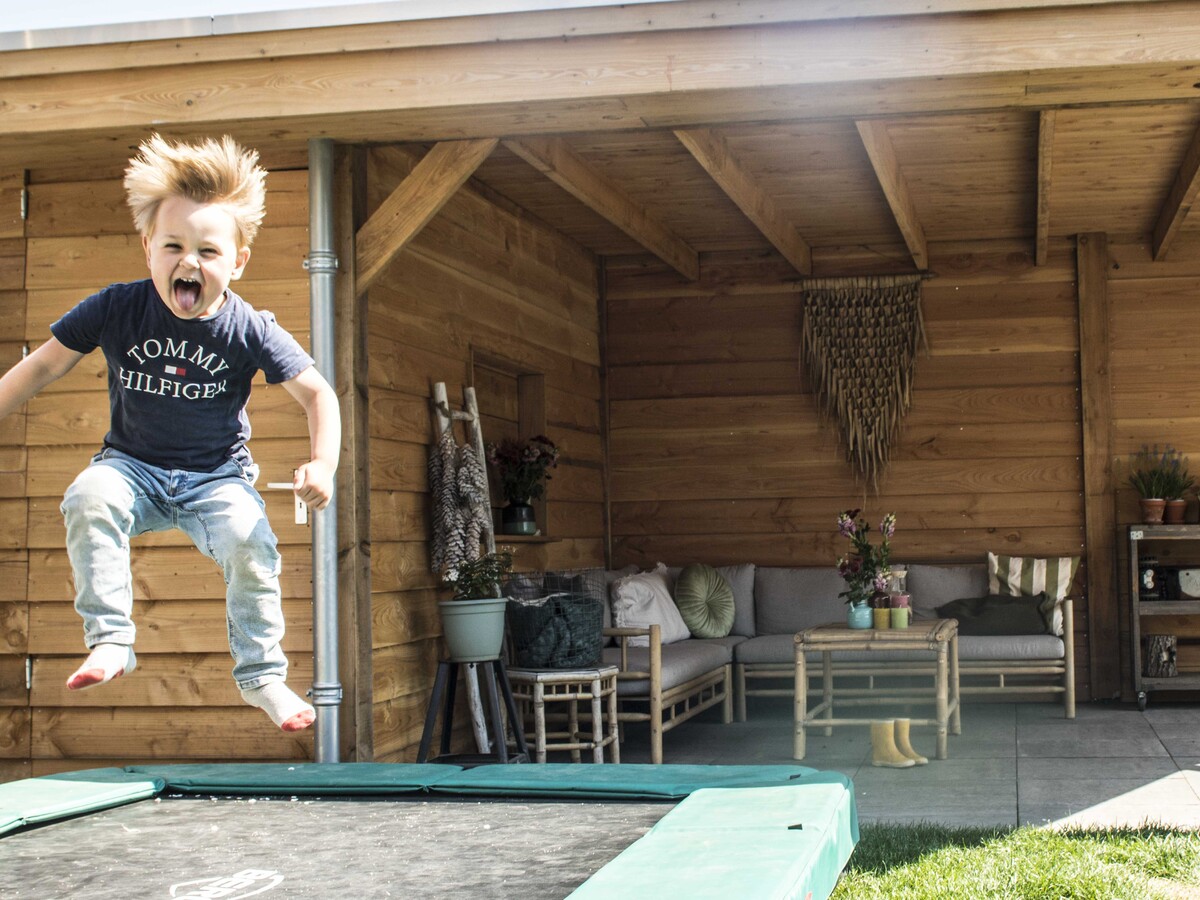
(1095, 393)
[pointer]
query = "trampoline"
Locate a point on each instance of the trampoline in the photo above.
(367, 830)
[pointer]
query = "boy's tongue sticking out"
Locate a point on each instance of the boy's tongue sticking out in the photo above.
(187, 294)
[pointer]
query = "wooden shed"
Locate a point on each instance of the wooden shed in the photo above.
(603, 217)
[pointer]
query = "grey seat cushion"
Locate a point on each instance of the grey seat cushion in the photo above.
(1011, 646)
(790, 599)
(780, 649)
(681, 662)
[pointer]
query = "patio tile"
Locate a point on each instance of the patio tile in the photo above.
(1112, 802)
(1082, 769)
(1084, 747)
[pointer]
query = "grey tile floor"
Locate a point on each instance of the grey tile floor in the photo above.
(1013, 764)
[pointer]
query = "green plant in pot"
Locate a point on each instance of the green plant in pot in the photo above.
(1160, 476)
(473, 621)
(866, 568)
(522, 469)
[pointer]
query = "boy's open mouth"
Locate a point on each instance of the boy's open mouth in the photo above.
(187, 293)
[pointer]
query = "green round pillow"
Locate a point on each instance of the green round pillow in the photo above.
(705, 601)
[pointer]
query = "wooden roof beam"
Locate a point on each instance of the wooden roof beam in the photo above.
(555, 159)
(400, 217)
(1045, 164)
(887, 170)
(1179, 200)
(711, 150)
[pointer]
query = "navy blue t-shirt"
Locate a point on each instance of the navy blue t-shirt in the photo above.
(178, 388)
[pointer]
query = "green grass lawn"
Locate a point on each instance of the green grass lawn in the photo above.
(923, 862)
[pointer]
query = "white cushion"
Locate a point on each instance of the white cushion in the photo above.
(644, 599)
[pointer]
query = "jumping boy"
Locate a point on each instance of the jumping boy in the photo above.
(181, 350)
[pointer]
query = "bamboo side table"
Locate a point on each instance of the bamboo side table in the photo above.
(534, 688)
(938, 635)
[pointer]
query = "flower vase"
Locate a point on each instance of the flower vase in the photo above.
(518, 518)
(858, 615)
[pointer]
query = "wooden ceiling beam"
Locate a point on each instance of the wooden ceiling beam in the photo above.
(711, 150)
(417, 199)
(1184, 188)
(555, 159)
(924, 55)
(1045, 171)
(887, 170)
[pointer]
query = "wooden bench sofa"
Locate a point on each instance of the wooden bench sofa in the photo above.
(667, 684)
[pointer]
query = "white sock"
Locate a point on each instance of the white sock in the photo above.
(104, 663)
(286, 709)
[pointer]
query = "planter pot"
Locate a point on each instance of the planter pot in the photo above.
(1152, 511)
(517, 518)
(1175, 512)
(859, 615)
(474, 629)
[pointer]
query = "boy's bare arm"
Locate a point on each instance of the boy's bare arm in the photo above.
(315, 479)
(45, 365)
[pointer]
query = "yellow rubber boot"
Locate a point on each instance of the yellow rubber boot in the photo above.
(903, 745)
(883, 746)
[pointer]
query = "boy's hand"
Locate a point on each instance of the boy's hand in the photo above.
(313, 483)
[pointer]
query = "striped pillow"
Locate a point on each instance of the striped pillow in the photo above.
(1017, 576)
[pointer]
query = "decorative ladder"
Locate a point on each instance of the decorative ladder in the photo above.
(443, 420)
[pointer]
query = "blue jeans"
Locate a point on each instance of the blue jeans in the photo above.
(118, 497)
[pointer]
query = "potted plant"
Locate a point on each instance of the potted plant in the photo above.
(866, 568)
(1178, 483)
(473, 621)
(522, 468)
(1157, 476)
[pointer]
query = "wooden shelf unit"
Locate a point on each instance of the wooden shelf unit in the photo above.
(1144, 609)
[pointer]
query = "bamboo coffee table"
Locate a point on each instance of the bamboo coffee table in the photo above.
(938, 635)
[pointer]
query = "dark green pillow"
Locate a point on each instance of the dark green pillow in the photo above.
(705, 601)
(997, 614)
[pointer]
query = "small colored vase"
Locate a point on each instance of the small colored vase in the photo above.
(858, 615)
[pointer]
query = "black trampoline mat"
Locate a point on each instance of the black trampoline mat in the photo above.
(190, 848)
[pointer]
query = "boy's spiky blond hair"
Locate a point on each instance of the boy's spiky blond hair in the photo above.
(210, 171)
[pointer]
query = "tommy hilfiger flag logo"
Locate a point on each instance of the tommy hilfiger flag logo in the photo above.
(175, 370)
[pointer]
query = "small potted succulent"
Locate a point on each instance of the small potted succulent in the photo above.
(473, 621)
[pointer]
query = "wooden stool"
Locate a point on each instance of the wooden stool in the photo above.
(537, 687)
(495, 684)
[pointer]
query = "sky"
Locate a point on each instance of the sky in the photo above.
(21, 16)
(78, 13)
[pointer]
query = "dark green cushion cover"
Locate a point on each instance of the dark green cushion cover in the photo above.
(705, 601)
(998, 614)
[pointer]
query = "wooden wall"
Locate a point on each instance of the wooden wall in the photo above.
(1154, 323)
(14, 557)
(719, 455)
(181, 704)
(482, 283)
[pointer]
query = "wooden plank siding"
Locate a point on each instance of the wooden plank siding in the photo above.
(481, 281)
(182, 703)
(719, 454)
(1155, 400)
(15, 728)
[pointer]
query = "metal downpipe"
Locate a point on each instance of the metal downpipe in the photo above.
(322, 264)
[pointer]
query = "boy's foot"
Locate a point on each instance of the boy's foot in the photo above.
(282, 704)
(104, 663)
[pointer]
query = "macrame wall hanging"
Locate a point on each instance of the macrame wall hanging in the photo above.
(859, 343)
